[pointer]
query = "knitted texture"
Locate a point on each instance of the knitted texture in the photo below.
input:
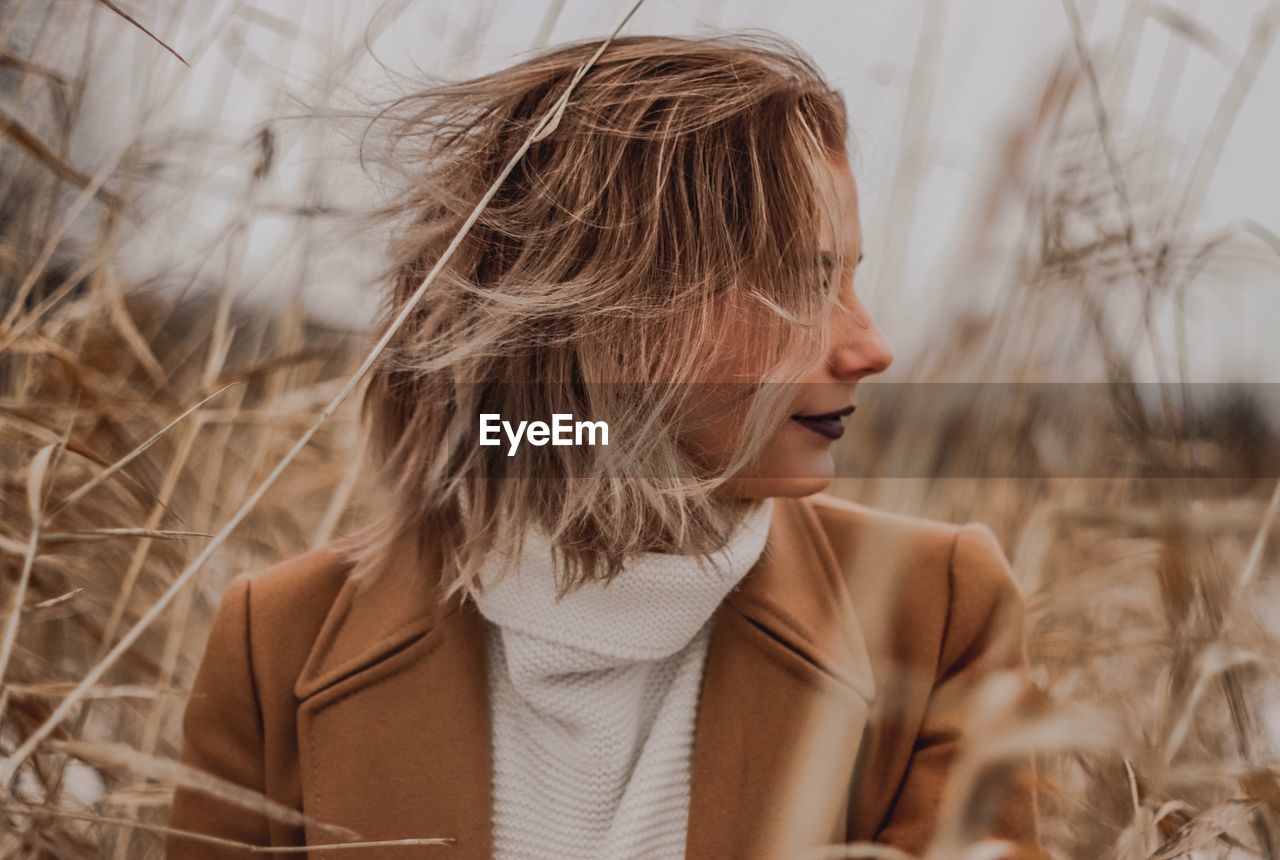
(594, 698)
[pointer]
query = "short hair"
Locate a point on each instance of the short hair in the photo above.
(681, 189)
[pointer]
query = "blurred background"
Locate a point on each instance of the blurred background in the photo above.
(1074, 199)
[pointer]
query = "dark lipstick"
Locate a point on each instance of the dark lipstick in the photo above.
(826, 424)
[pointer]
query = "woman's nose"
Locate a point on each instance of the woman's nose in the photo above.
(858, 347)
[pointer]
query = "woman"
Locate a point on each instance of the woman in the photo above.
(662, 646)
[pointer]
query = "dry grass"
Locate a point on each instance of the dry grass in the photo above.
(135, 423)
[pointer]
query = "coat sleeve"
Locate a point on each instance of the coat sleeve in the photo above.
(222, 735)
(984, 634)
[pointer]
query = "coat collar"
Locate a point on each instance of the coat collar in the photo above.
(394, 728)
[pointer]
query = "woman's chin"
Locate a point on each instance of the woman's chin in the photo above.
(796, 487)
(801, 480)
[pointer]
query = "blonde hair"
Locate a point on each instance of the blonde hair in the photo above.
(681, 194)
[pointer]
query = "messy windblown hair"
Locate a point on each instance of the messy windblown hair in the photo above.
(670, 219)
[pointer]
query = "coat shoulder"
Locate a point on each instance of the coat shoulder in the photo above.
(302, 587)
(861, 533)
(941, 614)
(853, 528)
(914, 567)
(288, 605)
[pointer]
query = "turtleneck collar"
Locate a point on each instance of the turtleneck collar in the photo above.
(651, 610)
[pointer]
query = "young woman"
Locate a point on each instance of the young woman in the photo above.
(663, 646)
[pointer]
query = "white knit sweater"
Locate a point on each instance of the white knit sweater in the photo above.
(594, 698)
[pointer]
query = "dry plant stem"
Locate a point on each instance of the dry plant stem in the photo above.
(1195, 32)
(95, 535)
(57, 691)
(8, 334)
(1231, 680)
(259, 455)
(548, 24)
(1246, 73)
(1254, 562)
(220, 340)
(1125, 53)
(1173, 68)
(9, 61)
(136, 564)
(1148, 276)
(214, 840)
(1104, 131)
(9, 767)
(1135, 796)
(338, 503)
(915, 132)
(54, 299)
(159, 708)
(125, 15)
(139, 558)
(81, 491)
(35, 483)
(51, 245)
(109, 290)
(27, 141)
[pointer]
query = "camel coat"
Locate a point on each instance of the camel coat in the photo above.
(838, 680)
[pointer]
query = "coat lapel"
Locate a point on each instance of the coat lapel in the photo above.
(784, 703)
(394, 729)
(393, 721)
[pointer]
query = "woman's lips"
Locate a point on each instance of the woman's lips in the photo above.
(826, 424)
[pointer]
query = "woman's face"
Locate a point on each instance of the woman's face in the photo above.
(797, 460)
